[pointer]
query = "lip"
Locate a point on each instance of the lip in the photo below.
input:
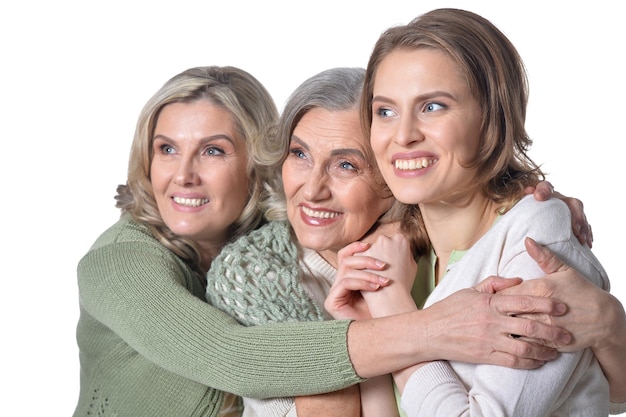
(318, 221)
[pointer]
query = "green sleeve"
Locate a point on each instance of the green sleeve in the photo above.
(138, 291)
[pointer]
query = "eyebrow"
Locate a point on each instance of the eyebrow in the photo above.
(334, 152)
(202, 141)
(421, 97)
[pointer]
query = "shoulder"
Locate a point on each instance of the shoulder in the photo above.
(265, 250)
(272, 242)
(125, 230)
(550, 218)
(528, 206)
(127, 251)
(257, 279)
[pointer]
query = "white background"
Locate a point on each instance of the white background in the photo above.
(74, 76)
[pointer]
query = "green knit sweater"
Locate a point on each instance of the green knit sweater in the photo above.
(256, 279)
(151, 346)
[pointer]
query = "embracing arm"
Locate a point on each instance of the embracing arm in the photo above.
(469, 326)
(138, 292)
(439, 383)
(595, 317)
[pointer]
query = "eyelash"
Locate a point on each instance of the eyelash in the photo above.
(297, 152)
(215, 149)
(300, 154)
(352, 166)
(426, 108)
(209, 150)
(382, 110)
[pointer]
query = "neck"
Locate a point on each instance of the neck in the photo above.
(208, 252)
(330, 256)
(457, 227)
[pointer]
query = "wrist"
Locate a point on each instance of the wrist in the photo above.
(614, 337)
(388, 301)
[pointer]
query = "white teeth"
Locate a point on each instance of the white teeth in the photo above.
(319, 214)
(409, 164)
(191, 202)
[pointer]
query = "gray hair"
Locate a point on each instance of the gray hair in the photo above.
(335, 89)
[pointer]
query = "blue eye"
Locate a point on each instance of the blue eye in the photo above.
(347, 165)
(385, 112)
(433, 107)
(213, 151)
(166, 149)
(297, 152)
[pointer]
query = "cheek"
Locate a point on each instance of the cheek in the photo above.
(157, 178)
(376, 141)
(366, 202)
(290, 180)
(237, 185)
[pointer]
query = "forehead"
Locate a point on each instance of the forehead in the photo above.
(320, 129)
(198, 112)
(420, 65)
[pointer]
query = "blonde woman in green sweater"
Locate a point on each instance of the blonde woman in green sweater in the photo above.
(149, 343)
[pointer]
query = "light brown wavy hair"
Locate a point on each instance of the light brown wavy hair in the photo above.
(497, 78)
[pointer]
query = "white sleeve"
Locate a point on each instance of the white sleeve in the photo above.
(618, 408)
(271, 407)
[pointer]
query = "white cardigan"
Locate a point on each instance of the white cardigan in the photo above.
(571, 385)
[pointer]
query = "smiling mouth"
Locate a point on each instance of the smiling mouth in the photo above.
(190, 202)
(417, 163)
(319, 214)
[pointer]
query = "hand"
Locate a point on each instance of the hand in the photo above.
(395, 251)
(475, 326)
(355, 274)
(594, 317)
(581, 227)
(401, 269)
(593, 314)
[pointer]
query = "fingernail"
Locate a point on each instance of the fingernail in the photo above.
(374, 286)
(383, 280)
(561, 308)
(380, 264)
(565, 339)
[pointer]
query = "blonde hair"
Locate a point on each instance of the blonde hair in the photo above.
(254, 114)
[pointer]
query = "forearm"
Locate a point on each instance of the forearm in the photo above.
(378, 398)
(342, 403)
(468, 326)
(611, 352)
(381, 346)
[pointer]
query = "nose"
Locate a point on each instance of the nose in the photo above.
(315, 185)
(186, 173)
(408, 131)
